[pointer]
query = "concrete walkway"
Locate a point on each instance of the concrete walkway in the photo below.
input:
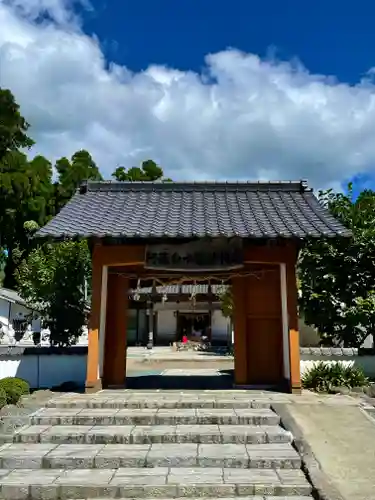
(166, 353)
(342, 438)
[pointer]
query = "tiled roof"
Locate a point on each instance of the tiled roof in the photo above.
(11, 296)
(186, 210)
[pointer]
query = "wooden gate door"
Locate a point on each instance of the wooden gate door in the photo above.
(264, 327)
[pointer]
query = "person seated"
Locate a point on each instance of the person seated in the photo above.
(196, 333)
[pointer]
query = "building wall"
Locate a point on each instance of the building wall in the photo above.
(166, 322)
(166, 326)
(4, 311)
(17, 311)
(221, 327)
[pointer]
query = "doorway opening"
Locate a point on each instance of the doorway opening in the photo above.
(195, 326)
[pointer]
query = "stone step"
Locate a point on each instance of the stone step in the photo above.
(139, 434)
(74, 416)
(114, 456)
(158, 482)
(149, 401)
(252, 497)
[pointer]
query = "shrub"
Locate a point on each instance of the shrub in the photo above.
(14, 389)
(3, 398)
(326, 377)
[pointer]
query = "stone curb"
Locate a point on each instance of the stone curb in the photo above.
(323, 489)
(369, 401)
(337, 351)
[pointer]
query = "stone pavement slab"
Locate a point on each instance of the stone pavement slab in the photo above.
(252, 497)
(343, 441)
(23, 484)
(131, 399)
(123, 434)
(111, 456)
(195, 372)
(162, 416)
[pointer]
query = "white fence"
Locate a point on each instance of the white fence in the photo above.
(363, 358)
(45, 367)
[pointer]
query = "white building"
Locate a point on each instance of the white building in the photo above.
(180, 310)
(17, 321)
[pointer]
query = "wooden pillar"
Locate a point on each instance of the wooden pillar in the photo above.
(294, 346)
(93, 381)
(150, 324)
(114, 369)
(239, 323)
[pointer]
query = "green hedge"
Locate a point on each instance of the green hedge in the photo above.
(3, 398)
(14, 388)
(328, 377)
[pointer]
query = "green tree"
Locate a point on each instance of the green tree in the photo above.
(15, 177)
(52, 279)
(337, 277)
(71, 173)
(25, 193)
(54, 276)
(13, 126)
(148, 171)
(226, 302)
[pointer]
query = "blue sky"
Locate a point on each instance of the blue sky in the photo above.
(329, 37)
(210, 90)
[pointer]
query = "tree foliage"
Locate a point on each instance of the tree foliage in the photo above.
(13, 126)
(148, 171)
(337, 277)
(226, 302)
(52, 279)
(71, 173)
(25, 193)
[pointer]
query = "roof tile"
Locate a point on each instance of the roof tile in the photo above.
(185, 210)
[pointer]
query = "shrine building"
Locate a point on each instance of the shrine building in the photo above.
(172, 249)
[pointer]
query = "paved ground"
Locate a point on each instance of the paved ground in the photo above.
(167, 353)
(177, 377)
(342, 437)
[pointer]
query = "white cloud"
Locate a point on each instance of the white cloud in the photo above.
(242, 118)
